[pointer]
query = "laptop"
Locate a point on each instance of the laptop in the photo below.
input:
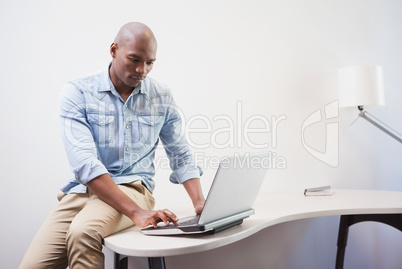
(232, 194)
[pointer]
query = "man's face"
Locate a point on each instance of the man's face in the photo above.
(132, 61)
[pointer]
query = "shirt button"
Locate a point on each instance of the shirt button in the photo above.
(126, 149)
(127, 126)
(101, 122)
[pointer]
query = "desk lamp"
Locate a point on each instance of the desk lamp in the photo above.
(363, 85)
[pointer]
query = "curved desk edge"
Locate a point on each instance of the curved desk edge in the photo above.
(271, 209)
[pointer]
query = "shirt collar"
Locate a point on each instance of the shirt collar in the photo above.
(107, 84)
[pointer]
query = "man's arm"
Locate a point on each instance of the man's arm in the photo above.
(185, 171)
(106, 189)
(193, 188)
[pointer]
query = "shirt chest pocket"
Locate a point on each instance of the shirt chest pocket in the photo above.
(149, 127)
(103, 128)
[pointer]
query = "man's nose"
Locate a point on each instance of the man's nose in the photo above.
(141, 68)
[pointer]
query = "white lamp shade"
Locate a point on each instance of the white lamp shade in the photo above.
(361, 85)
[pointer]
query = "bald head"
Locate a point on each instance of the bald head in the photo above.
(135, 31)
(134, 53)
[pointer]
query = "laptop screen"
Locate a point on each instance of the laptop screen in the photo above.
(235, 186)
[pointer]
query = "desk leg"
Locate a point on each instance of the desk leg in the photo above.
(153, 263)
(394, 220)
(342, 241)
(156, 263)
(120, 262)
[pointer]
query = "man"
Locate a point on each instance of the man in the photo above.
(111, 124)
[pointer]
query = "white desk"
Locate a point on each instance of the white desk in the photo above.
(271, 209)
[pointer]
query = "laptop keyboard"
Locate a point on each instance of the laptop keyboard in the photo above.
(189, 221)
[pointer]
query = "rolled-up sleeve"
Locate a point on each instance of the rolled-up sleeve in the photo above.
(77, 136)
(180, 156)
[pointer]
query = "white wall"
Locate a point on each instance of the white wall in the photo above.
(271, 58)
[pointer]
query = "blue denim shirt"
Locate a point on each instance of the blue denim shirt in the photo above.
(103, 134)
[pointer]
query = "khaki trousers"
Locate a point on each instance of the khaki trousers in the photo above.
(72, 234)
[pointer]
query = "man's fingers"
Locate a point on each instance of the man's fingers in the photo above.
(170, 214)
(163, 217)
(167, 216)
(172, 217)
(153, 222)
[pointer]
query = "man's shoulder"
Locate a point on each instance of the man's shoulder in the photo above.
(89, 82)
(154, 88)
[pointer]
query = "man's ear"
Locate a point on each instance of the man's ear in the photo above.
(113, 49)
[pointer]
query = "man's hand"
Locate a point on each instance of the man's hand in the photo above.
(198, 207)
(106, 189)
(193, 188)
(143, 218)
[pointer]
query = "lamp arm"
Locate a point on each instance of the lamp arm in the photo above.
(392, 133)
